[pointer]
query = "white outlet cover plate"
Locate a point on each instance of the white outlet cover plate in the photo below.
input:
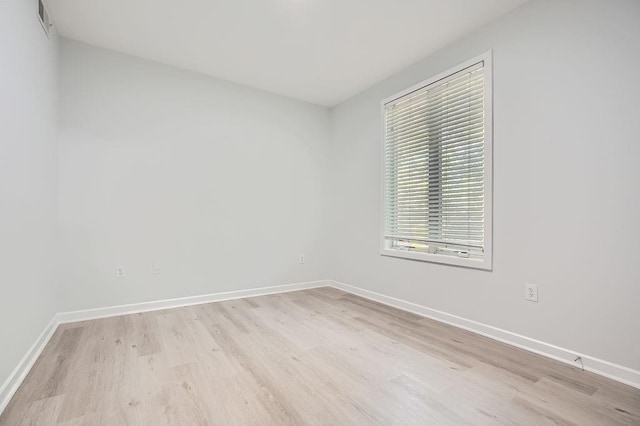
(120, 271)
(531, 292)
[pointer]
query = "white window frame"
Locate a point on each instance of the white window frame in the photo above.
(486, 262)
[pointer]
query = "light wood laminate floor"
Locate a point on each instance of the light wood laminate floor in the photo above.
(309, 357)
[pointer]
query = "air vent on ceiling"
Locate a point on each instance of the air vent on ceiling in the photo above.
(44, 17)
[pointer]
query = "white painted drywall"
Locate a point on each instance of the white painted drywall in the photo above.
(566, 174)
(320, 51)
(27, 180)
(222, 185)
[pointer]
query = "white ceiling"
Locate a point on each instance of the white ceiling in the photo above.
(320, 51)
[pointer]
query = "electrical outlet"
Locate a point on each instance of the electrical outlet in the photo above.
(119, 271)
(155, 269)
(531, 292)
(301, 259)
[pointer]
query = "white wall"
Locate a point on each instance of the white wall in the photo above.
(222, 185)
(27, 180)
(566, 198)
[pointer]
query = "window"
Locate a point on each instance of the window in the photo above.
(437, 168)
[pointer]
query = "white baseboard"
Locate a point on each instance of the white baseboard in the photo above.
(604, 368)
(134, 308)
(10, 386)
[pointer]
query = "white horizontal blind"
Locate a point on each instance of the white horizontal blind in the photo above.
(434, 167)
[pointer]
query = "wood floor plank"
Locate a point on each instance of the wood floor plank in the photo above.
(320, 356)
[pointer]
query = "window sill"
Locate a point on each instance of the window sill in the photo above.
(484, 264)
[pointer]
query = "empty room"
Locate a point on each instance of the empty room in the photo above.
(331, 212)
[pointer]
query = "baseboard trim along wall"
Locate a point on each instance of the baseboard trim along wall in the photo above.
(13, 382)
(598, 366)
(604, 368)
(134, 308)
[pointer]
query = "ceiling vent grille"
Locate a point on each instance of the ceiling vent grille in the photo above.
(44, 17)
